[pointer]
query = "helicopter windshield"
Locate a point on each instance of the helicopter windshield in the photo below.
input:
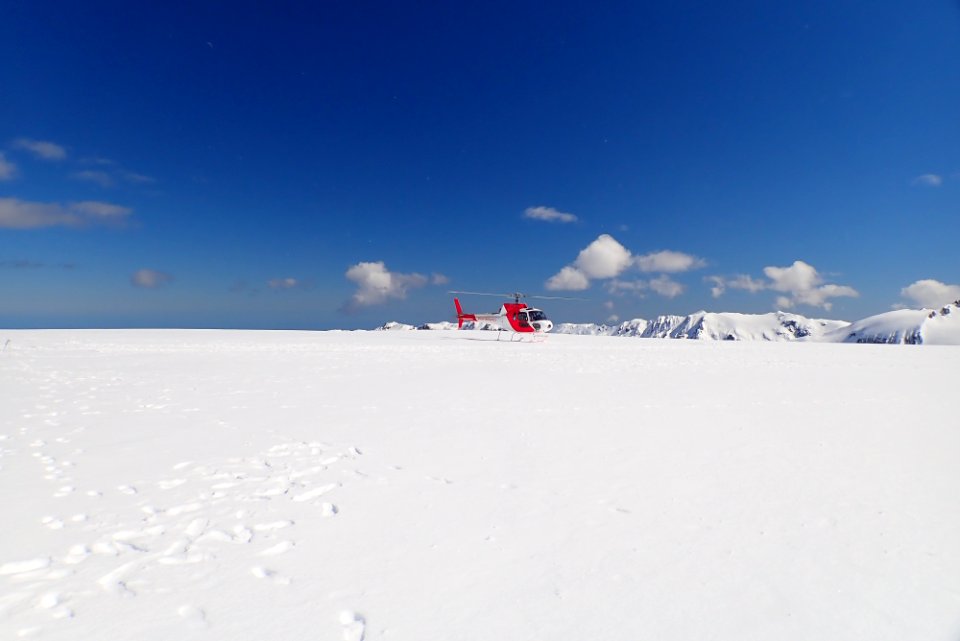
(536, 315)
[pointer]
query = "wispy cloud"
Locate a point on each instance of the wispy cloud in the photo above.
(740, 281)
(282, 283)
(20, 263)
(549, 214)
(605, 258)
(24, 214)
(150, 278)
(101, 210)
(376, 284)
(928, 180)
(931, 293)
(437, 278)
(23, 263)
(137, 179)
(42, 149)
(8, 170)
(101, 178)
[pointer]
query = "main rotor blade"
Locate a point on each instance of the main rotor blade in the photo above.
(519, 295)
(556, 297)
(482, 294)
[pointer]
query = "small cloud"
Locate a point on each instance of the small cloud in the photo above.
(8, 170)
(150, 278)
(928, 180)
(282, 283)
(804, 284)
(549, 214)
(376, 284)
(665, 286)
(613, 318)
(608, 305)
(931, 293)
(438, 279)
(40, 148)
(101, 178)
(668, 261)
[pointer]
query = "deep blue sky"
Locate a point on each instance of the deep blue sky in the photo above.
(248, 143)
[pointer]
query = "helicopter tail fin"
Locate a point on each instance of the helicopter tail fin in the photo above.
(461, 316)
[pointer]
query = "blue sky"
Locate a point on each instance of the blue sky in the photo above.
(340, 164)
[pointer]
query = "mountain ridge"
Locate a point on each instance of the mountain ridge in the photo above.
(904, 326)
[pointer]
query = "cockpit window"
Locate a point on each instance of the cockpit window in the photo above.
(537, 315)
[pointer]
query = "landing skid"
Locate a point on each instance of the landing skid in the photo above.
(516, 337)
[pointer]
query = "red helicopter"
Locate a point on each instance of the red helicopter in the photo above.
(512, 317)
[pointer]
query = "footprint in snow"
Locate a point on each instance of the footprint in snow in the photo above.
(264, 573)
(192, 614)
(354, 625)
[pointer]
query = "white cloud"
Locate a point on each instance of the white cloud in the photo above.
(376, 284)
(613, 318)
(603, 258)
(549, 214)
(101, 178)
(606, 258)
(928, 180)
(804, 284)
(608, 305)
(568, 279)
(665, 286)
(150, 278)
(24, 214)
(740, 281)
(438, 279)
(41, 148)
(668, 261)
(282, 283)
(8, 171)
(931, 293)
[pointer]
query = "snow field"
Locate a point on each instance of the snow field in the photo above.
(411, 485)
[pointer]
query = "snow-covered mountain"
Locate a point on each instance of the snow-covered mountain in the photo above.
(909, 326)
(913, 326)
(776, 326)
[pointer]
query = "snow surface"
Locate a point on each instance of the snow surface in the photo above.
(238, 485)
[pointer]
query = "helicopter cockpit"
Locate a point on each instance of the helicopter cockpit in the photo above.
(534, 318)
